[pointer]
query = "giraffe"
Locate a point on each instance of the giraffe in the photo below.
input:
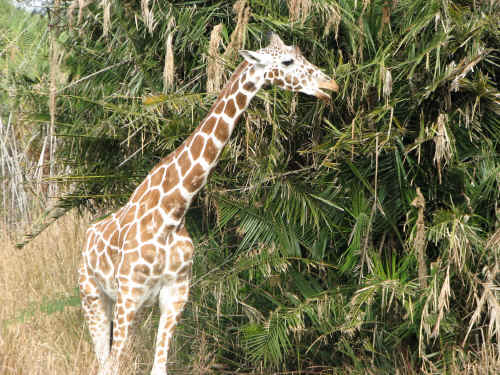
(143, 253)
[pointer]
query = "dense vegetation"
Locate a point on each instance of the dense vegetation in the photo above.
(363, 234)
(24, 68)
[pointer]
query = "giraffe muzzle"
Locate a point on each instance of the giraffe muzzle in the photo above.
(328, 85)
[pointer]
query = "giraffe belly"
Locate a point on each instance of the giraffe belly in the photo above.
(145, 281)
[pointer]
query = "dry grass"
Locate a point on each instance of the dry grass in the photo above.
(42, 330)
(35, 339)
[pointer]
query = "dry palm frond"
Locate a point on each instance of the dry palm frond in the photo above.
(386, 78)
(489, 302)
(14, 196)
(80, 4)
(333, 19)
(52, 213)
(493, 242)
(147, 15)
(299, 10)
(169, 68)
(239, 33)
(329, 13)
(419, 240)
(443, 302)
(459, 236)
(106, 6)
(443, 143)
(436, 302)
(214, 65)
(71, 10)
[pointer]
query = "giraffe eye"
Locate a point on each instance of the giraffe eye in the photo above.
(287, 62)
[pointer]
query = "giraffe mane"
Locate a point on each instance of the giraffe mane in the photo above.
(234, 77)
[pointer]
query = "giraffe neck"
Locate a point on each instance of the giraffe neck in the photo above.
(204, 146)
(172, 184)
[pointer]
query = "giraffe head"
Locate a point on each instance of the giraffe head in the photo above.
(285, 66)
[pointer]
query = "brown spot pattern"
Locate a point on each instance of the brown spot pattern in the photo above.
(174, 203)
(131, 257)
(219, 107)
(182, 289)
(249, 86)
(157, 177)
(209, 124)
(185, 269)
(113, 241)
(184, 162)
(241, 100)
(230, 109)
(138, 277)
(210, 152)
(235, 87)
(104, 264)
(148, 253)
(222, 130)
(279, 82)
(196, 146)
(93, 259)
(121, 310)
(151, 199)
(112, 227)
(147, 233)
(129, 215)
(172, 178)
(194, 179)
(188, 252)
(139, 191)
(183, 232)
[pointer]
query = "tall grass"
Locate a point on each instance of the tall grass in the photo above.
(41, 321)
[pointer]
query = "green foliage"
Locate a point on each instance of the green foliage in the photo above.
(307, 250)
(23, 55)
(46, 306)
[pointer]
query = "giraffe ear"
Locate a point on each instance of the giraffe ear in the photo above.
(255, 58)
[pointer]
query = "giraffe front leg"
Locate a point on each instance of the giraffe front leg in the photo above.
(97, 311)
(173, 297)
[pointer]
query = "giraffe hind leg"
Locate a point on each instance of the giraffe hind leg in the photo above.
(97, 309)
(125, 310)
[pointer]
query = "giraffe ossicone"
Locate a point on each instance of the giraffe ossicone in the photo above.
(142, 252)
